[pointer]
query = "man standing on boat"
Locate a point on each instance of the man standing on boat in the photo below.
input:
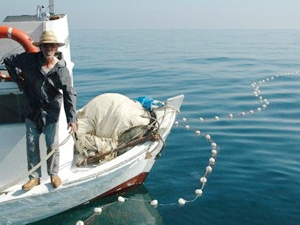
(45, 75)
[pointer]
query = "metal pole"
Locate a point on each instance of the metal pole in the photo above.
(51, 7)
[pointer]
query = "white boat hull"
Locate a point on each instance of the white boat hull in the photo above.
(87, 182)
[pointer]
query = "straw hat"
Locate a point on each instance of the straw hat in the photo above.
(48, 37)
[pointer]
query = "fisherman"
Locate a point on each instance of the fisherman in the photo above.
(41, 76)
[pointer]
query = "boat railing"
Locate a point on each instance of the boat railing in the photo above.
(43, 13)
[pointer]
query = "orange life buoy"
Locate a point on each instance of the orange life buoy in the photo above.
(20, 36)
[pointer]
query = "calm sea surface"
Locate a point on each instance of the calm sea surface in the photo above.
(256, 179)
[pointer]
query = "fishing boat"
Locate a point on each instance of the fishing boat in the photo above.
(81, 182)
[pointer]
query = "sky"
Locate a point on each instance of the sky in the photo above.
(167, 14)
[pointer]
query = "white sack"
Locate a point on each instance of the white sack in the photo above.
(102, 121)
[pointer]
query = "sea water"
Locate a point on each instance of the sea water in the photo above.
(256, 178)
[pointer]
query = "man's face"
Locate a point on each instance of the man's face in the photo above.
(48, 50)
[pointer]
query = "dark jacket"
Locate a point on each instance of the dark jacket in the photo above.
(42, 92)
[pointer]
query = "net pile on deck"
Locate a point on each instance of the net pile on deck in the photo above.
(104, 120)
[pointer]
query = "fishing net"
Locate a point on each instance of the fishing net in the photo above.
(103, 120)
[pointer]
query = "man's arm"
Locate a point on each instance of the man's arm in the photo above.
(13, 66)
(69, 96)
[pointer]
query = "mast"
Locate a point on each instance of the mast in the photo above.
(51, 7)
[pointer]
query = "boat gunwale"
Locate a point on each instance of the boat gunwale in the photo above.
(135, 154)
(129, 156)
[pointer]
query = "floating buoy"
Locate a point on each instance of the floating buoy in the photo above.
(214, 145)
(203, 180)
(212, 161)
(121, 199)
(98, 210)
(80, 222)
(208, 169)
(214, 152)
(198, 192)
(154, 202)
(181, 201)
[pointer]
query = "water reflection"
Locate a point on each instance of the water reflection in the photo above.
(135, 210)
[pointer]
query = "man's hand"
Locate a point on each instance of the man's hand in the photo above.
(73, 127)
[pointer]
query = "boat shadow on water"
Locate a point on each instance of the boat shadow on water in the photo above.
(135, 210)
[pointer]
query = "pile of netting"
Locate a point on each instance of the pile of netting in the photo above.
(106, 122)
